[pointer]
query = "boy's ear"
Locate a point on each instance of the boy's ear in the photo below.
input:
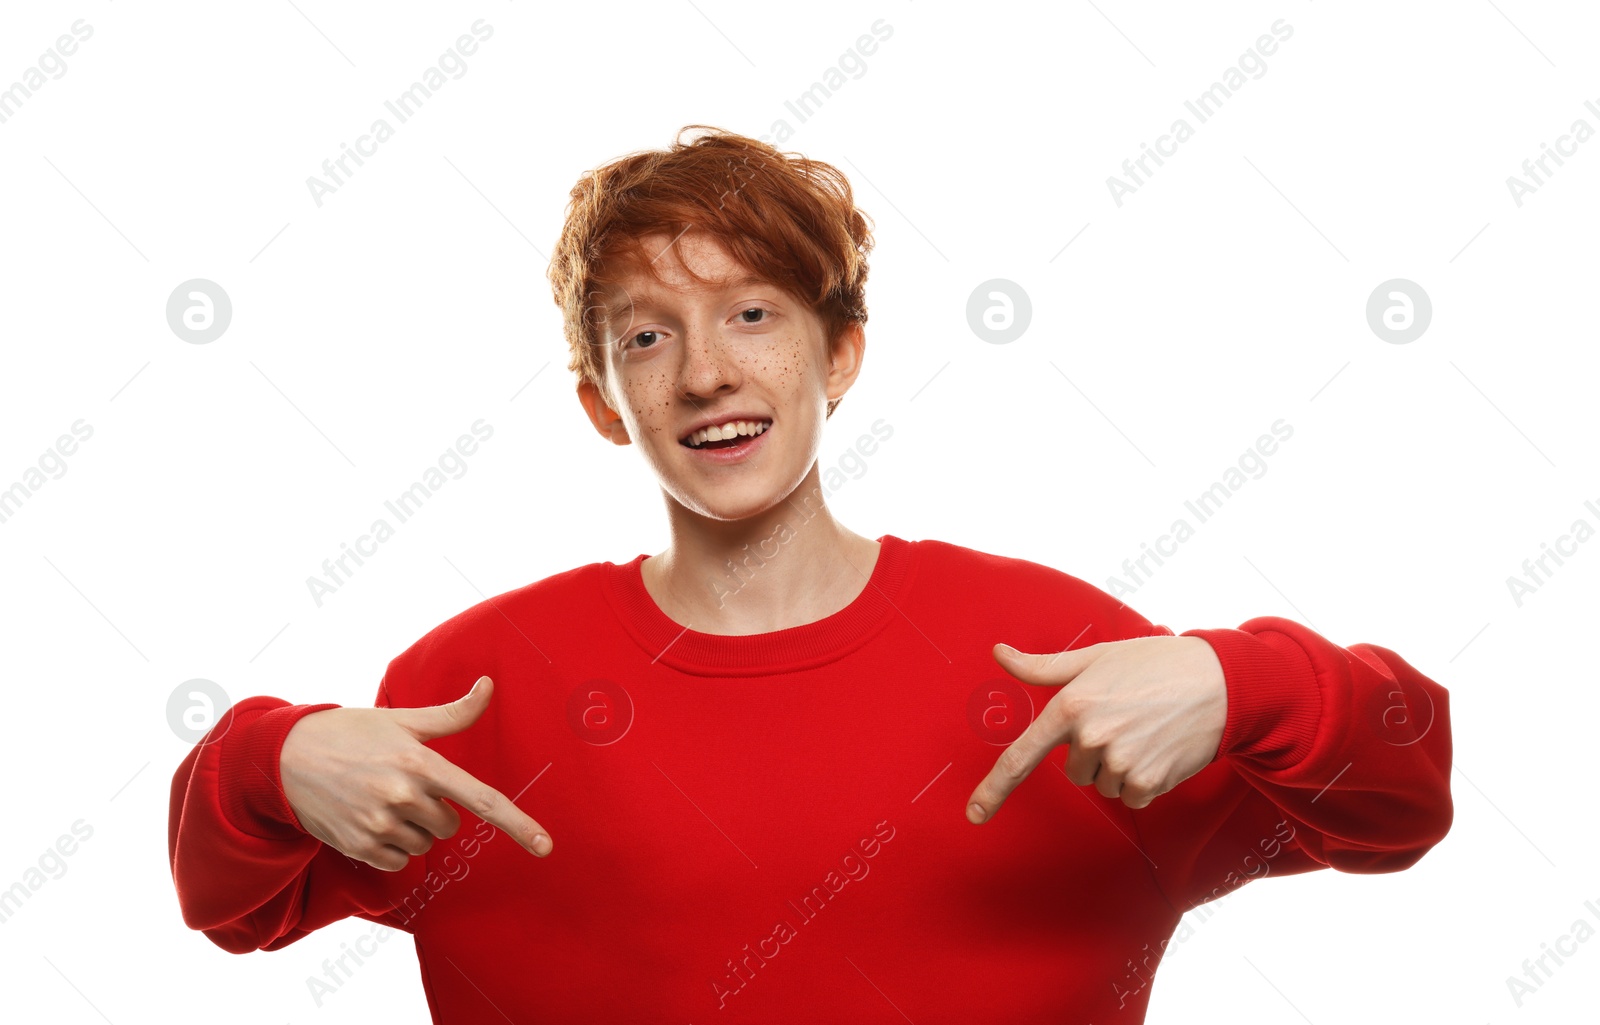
(845, 357)
(604, 418)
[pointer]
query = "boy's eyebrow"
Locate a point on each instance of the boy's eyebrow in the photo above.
(644, 299)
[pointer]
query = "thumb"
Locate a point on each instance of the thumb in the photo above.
(1053, 669)
(452, 716)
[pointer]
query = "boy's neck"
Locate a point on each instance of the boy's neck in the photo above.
(792, 565)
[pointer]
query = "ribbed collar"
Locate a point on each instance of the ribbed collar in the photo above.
(781, 651)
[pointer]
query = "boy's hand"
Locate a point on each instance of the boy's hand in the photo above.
(1142, 715)
(361, 781)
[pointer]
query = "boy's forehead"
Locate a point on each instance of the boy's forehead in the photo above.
(676, 264)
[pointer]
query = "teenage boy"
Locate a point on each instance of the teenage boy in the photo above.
(764, 749)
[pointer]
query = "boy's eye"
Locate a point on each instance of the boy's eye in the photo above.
(763, 315)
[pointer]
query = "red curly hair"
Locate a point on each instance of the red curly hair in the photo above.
(787, 219)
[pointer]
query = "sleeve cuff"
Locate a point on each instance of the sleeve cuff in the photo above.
(1274, 702)
(251, 788)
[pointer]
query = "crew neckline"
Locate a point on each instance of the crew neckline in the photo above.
(794, 648)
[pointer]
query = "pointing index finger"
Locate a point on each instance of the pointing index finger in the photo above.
(1013, 766)
(490, 805)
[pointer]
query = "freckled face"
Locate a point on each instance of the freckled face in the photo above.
(676, 355)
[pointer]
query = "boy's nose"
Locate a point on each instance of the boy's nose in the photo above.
(707, 364)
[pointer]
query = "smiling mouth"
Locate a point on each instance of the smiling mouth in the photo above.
(729, 435)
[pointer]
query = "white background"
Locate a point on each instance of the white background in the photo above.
(1227, 292)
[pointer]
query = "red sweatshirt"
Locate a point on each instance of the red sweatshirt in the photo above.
(770, 828)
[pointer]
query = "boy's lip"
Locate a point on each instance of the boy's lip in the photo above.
(743, 449)
(722, 418)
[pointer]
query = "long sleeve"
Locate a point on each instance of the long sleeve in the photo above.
(1330, 757)
(246, 873)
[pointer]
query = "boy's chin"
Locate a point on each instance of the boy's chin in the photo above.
(730, 504)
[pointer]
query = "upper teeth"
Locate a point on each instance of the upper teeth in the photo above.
(731, 429)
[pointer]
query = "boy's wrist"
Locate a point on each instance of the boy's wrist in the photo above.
(250, 782)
